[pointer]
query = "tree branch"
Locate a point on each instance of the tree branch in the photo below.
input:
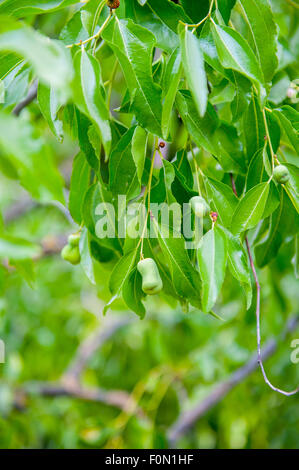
(188, 418)
(118, 398)
(88, 347)
(32, 94)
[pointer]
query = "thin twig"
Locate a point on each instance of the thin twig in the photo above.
(258, 313)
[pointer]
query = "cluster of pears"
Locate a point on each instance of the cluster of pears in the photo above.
(71, 251)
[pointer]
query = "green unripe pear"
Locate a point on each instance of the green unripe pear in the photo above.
(199, 206)
(71, 254)
(74, 239)
(151, 280)
(281, 174)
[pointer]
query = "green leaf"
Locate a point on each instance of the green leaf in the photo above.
(21, 8)
(83, 127)
(30, 159)
(212, 257)
(166, 38)
(272, 200)
(201, 129)
(289, 120)
(234, 53)
(238, 264)
(49, 104)
(49, 59)
(250, 209)
(225, 7)
(196, 10)
(18, 249)
(171, 82)
(284, 222)
(79, 185)
(169, 13)
(122, 271)
(242, 96)
(132, 293)
(259, 17)
(254, 129)
(222, 200)
(86, 259)
(292, 186)
(96, 195)
(185, 278)
(139, 148)
(122, 167)
(133, 45)
(88, 95)
(256, 170)
(193, 63)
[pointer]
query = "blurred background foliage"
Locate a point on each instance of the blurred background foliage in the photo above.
(168, 362)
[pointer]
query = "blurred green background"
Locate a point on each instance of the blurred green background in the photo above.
(168, 362)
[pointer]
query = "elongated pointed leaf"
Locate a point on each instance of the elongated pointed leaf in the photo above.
(289, 120)
(238, 264)
(170, 86)
(88, 95)
(139, 147)
(167, 39)
(254, 129)
(259, 17)
(79, 185)
(201, 129)
(193, 63)
(132, 293)
(250, 209)
(185, 279)
(21, 8)
(87, 262)
(123, 177)
(222, 200)
(292, 186)
(234, 53)
(133, 46)
(50, 105)
(196, 10)
(169, 13)
(30, 158)
(122, 271)
(284, 222)
(212, 257)
(49, 59)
